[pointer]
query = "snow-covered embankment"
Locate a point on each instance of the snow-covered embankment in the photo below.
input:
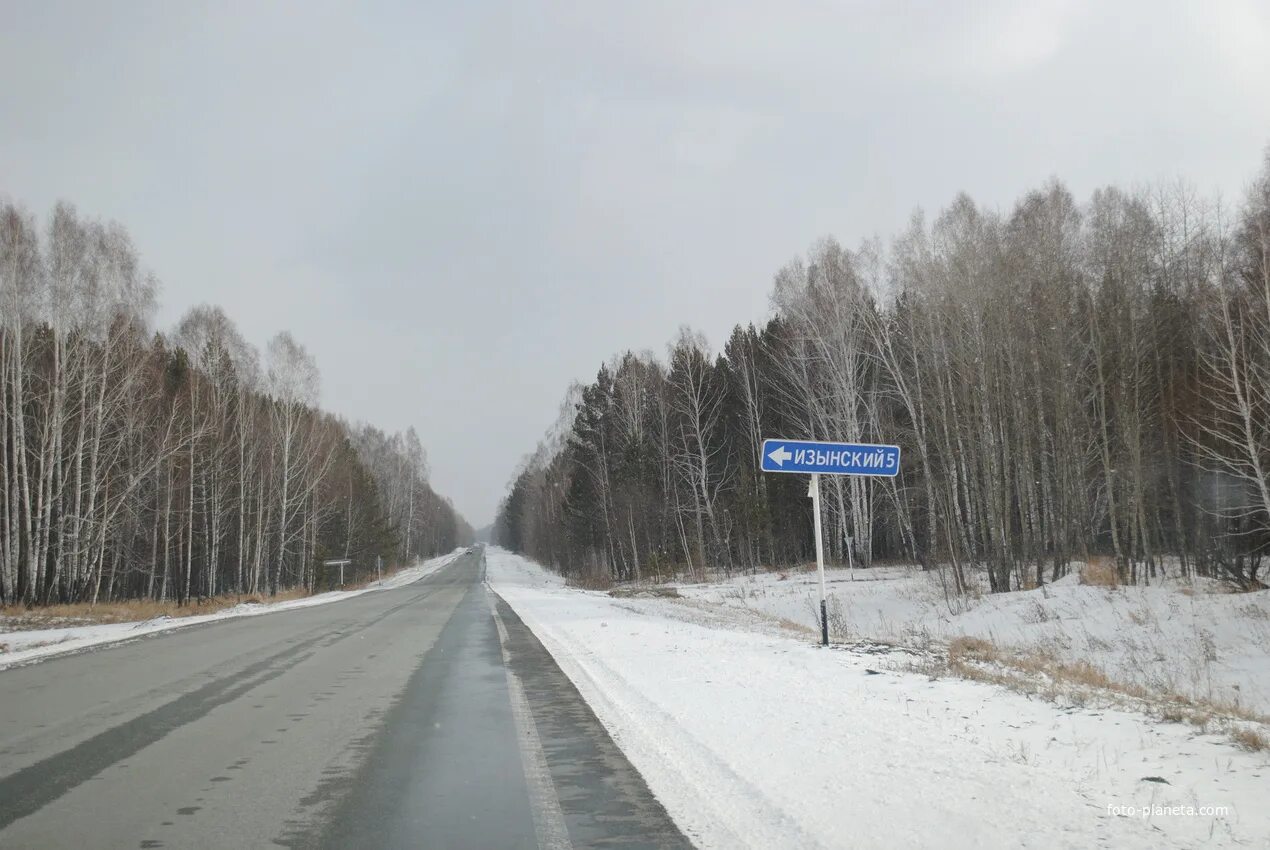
(750, 738)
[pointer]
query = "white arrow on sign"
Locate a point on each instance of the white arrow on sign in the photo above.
(781, 455)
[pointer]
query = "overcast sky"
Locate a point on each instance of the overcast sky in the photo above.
(461, 207)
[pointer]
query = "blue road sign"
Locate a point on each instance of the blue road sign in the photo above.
(807, 456)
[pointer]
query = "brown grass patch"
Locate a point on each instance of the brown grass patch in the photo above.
(594, 581)
(1100, 571)
(1178, 713)
(966, 655)
(1044, 674)
(647, 592)
(1079, 673)
(20, 618)
(1251, 739)
(792, 626)
(966, 648)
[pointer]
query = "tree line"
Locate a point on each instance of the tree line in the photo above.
(1065, 380)
(182, 465)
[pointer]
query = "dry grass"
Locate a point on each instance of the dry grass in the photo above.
(1174, 713)
(20, 618)
(1251, 739)
(968, 648)
(597, 581)
(1100, 571)
(795, 627)
(966, 655)
(650, 592)
(1044, 674)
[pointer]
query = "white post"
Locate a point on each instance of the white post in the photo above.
(379, 573)
(814, 492)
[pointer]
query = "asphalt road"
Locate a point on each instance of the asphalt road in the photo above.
(422, 717)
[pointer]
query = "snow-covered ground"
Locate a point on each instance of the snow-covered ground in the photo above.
(21, 647)
(1180, 636)
(752, 736)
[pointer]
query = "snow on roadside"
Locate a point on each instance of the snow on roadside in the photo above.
(1181, 636)
(38, 644)
(753, 739)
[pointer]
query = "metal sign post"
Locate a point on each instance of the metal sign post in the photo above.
(814, 492)
(340, 563)
(817, 458)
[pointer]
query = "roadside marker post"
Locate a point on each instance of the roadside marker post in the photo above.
(817, 459)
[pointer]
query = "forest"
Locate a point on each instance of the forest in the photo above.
(1066, 380)
(177, 466)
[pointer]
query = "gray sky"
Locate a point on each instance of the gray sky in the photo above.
(461, 207)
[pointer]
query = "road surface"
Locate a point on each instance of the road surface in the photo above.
(422, 717)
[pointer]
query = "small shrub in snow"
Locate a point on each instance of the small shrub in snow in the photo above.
(1208, 645)
(839, 626)
(1254, 612)
(1138, 618)
(1097, 644)
(1039, 613)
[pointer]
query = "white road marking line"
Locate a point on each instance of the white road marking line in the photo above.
(549, 826)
